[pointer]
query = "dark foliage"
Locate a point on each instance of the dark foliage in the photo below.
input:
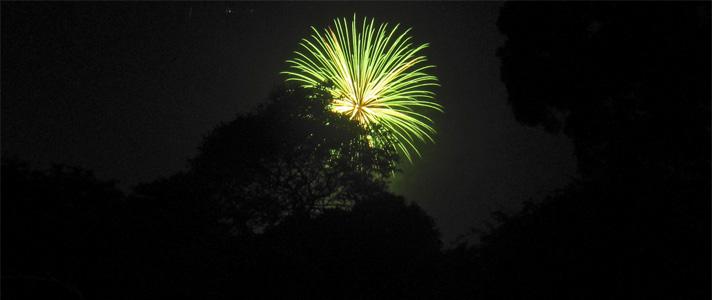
(382, 248)
(57, 231)
(288, 201)
(629, 84)
(292, 156)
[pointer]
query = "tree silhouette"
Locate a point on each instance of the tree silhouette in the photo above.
(290, 200)
(629, 84)
(383, 247)
(58, 231)
(293, 156)
(284, 198)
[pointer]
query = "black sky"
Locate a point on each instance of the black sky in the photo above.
(129, 89)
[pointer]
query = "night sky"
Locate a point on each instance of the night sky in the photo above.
(128, 91)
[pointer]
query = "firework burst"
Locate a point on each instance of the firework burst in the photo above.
(375, 75)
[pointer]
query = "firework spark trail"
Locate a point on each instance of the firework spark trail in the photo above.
(376, 77)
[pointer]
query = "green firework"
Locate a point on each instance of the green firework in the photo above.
(375, 75)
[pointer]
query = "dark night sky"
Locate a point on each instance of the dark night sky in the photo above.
(128, 90)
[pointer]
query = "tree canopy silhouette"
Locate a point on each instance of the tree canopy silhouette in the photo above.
(58, 231)
(291, 157)
(290, 200)
(629, 84)
(291, 195)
